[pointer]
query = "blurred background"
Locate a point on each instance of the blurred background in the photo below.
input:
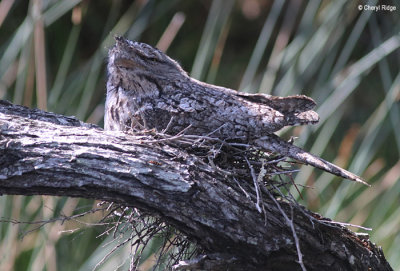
(53, 56)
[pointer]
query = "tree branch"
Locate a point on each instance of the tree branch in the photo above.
(47, 154)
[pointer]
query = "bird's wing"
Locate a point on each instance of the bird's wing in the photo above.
(290, 104)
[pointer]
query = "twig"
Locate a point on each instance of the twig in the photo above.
(291, 225)
(168, 125)
(244, 191)
(345, 224)
(256, 185)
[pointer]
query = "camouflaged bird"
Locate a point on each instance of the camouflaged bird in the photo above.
(146, 89)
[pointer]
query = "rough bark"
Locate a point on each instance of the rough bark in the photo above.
(47, 154)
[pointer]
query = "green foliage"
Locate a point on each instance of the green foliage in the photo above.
(53, 56)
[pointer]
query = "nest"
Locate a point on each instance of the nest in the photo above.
(249, 166)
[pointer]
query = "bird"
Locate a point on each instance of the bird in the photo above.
(146, 89)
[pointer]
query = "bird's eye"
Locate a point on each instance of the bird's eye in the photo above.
(153, 59)
(125, 63)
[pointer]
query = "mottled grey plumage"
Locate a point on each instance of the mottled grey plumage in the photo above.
(147, 89)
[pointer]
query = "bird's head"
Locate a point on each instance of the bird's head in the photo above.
(132, 57)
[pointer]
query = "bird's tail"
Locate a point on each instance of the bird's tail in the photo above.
(276, 144)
